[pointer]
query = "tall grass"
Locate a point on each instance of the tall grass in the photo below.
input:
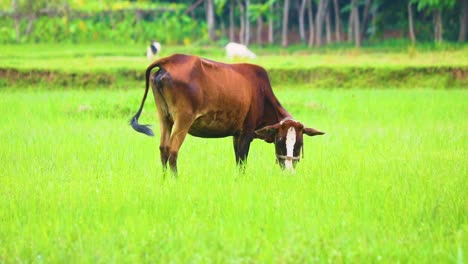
(387, 183)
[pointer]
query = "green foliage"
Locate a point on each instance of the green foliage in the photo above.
(108, 21)
(435, 4)
(257, 10)
(7, 33)
(99, 6)
(220, 4)
(135, 21)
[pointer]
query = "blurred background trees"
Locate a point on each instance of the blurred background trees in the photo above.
(260, 22)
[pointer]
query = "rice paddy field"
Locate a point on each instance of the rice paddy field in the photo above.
(387, 183)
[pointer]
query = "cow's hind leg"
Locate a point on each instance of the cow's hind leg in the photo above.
(160, 81)
(179, 132)
(165, 126)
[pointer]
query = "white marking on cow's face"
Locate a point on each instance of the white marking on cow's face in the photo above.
(290, 142)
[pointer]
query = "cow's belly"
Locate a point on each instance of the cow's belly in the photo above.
(216, 124)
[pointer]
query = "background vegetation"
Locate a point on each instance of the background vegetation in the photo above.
(312, 22)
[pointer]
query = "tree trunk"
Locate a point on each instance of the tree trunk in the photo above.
(411, 24)
(351, 24)
(319, 19)
(310, 16)
(138, 17)
(438, 25)
(31, 18)
(111, 16)
(231, 20)
(15, 6)
(247, 22)
(463, 21)
(284, 35)
(337, 21)
(365, 19)
(301, 20)
(210, 21)
(328, 27)
(270, 26)
(242, 27)
(66, 15)
(259, 30)
(318, 24)
(357, 35)
(17, 28)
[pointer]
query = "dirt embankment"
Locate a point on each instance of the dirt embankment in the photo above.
(320, 77)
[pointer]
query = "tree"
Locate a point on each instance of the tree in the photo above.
(436, 6)
(319, 21)
(25, 9)
(310, 16)
(301, 19)
(328, 27)
(337, 20)
(365, 19)
(463, 21)
(350, 23)
(411, 23)
(259, 30)
(210, 20)
(284, 35)
(219, 12)
(257, 12)
(354, 28)
(242, 22)
(270, 24)
(438, 25)
(231, 20)
(247, 22)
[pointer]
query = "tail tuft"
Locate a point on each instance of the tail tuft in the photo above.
(140, 128)
(134, 121)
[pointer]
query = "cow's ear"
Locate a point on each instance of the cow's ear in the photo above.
(268, 133)
(312, 132)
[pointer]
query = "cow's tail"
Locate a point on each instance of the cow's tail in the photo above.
(134, 121)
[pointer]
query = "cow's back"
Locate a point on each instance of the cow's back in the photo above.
(225, 98)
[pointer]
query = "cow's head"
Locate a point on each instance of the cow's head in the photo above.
(287, 136)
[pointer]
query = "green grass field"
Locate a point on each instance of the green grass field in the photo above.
(387, 183)
(108, 57)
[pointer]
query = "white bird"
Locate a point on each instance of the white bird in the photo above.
(153, 49)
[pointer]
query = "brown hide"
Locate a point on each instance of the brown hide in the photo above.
(222, 99)
(209, 99)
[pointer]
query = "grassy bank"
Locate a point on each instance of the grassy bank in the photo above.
(123, 66)
(387, 183)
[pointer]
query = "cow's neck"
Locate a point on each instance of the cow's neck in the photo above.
(281, 114)
(273, 111)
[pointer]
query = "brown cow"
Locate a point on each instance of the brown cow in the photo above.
(210, 99)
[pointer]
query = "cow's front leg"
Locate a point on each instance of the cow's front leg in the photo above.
(241, 148)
